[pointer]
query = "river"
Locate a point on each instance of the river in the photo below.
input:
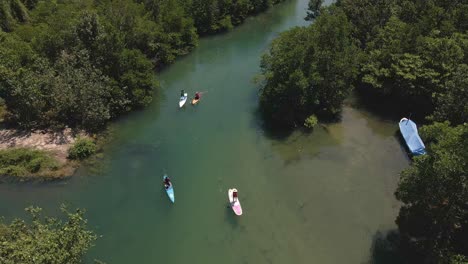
(321, 197)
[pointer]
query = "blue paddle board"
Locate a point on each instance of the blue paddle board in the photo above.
(170, 190)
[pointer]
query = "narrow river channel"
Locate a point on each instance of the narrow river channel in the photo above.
(318, 198)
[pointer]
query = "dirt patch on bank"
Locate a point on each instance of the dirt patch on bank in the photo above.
(57, 143)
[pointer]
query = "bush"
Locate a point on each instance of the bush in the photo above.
(14, 170)
(42, 239)
(83, 148)
(311, 122)
(21, 162)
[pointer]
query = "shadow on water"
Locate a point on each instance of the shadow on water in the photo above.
(260, 122)
(231, 217)
(33, 182)
(389, 107)
(402, 144)
(282, 133)
(387, 248)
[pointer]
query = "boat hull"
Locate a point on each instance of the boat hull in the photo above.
(409, 131)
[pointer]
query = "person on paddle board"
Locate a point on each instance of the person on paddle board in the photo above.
(197, 96)
(182, 93)
(234, 197)
(167, 183)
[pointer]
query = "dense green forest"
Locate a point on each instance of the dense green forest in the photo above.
(434, 190)
(413, 54)
(80, 63)
(45, 239)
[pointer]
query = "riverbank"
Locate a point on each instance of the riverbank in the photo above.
(37, 154)
(56, 143)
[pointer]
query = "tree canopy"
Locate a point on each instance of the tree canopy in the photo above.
(45, 239)
(415, 52)
(434, 191)
(80, 63)
(309, 70)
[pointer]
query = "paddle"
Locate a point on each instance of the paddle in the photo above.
(409, 118)
(201, 93)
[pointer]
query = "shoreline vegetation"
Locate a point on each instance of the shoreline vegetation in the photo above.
(412, 55)
(42, 239)
(81, 63)
(48, 155)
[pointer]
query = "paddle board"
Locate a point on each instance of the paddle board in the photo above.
(170, 190)
(236, 206)
(183, 99)
(195, 101)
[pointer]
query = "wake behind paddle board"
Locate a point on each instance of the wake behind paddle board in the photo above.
(170, 190)
(182, 100)
(236, 206)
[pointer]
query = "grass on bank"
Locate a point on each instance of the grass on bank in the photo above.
(28, 163)
(25, 162)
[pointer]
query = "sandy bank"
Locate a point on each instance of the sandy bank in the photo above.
(56, 143)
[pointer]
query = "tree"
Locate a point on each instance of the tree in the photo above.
(89, 30)
(314, 9)
(451, 102)
(45, 240)
(12, 11)
(434, 192)
(283, 95)
(136, 77)
(309, 71)
(367, 16)
(20, 86)
(30, 4)
(205, 14)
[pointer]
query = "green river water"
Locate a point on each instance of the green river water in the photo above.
(308, 198)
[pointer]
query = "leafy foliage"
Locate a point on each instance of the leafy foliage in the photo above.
(314, 9)
(45, 239)
(82, 148)
(415, 52)
(309, 70)
(434, 191)
(451, 103)
(81, 63)
(311, 122)
(12, 12)
(212, 16)
(24, 162)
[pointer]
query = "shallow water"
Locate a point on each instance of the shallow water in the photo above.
(307, 198)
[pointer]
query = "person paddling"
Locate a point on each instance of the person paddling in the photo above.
(167, 183)
(234, 197)
(197, 98)
(182, 93)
